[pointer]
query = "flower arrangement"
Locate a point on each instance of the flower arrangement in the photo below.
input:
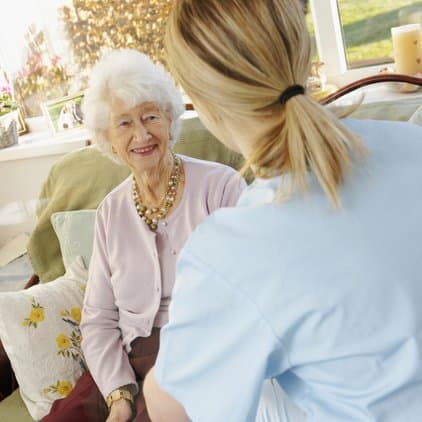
(41, 78)
(7, 103)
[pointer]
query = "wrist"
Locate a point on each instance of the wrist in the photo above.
(118, 395)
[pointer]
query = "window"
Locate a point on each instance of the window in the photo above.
(47, 48)
(354, 36)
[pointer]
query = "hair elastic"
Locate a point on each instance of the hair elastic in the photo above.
(290, 92)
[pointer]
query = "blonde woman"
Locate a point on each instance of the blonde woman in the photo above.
(314, 279)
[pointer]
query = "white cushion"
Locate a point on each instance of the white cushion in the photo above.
(39, 329)
(75, 231)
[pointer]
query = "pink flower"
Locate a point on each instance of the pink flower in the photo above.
(55, 60)
(7, 102)
(6, 90)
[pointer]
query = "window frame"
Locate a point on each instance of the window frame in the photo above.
(330, 44)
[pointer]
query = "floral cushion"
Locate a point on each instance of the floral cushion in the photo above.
(39, 329)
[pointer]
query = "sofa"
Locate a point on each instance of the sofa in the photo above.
(66, 189)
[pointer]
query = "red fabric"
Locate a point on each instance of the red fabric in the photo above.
(33, 281)
(85, 403)
(8, 382)
(7, 378)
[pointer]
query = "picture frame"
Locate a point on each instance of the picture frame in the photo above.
(64, 113)
(22, 127)
(18, 117)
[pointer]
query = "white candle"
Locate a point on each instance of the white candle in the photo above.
(407, 47)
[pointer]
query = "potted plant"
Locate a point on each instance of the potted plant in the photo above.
(7, 103)
(8, 117)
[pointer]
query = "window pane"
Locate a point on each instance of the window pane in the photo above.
(47, 48)
(310, 24)
(366, 27)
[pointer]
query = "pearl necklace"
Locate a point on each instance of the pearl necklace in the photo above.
(151, 216)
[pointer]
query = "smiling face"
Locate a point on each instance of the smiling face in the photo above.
(139, 135)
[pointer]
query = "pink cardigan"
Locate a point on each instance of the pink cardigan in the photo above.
(132, 269)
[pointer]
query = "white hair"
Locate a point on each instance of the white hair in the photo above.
(133, 78)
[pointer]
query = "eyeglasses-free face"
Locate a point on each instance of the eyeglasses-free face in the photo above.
(140, 135)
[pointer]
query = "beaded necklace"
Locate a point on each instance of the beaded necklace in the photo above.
(151, 216)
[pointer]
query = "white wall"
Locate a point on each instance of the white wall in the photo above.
(23, 170)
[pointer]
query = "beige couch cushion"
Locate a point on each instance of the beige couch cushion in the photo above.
(12, 409)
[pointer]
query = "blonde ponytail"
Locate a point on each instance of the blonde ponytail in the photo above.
(308, 138)
(234, 59)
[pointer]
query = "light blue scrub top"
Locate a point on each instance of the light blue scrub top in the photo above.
(329, 302)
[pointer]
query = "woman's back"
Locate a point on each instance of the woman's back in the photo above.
(321, 290)
(331, 296)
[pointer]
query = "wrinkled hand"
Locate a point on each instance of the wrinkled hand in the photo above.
(121, 411)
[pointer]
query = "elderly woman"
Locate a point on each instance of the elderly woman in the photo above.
(322, 287)
(133, 110)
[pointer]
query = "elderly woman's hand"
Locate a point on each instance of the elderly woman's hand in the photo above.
(121, 411)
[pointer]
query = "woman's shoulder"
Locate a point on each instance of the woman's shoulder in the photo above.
(390, 144)
(385, 130)
(203, 166)
(120, 193)
(211, 176)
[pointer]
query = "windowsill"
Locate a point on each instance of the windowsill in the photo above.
(42, 143)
